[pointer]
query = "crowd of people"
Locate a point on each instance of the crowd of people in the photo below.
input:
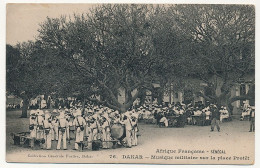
(48, 102)
(181, 114)
(83, 125)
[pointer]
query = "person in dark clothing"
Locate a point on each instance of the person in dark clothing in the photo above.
(158, 117)
(203, 118)
(215, 118)
(57, 103)
(181, 120)
(252, 120)
(155, 114)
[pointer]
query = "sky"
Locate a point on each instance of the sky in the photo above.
(22, 20)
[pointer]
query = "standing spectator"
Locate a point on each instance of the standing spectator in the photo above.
(215, 118)
(203, 117)
(252, 120)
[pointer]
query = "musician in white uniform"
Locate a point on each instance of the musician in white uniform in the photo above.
(128, 126)
(134, 120)
(63, 124)
(105, 127)
(79, 122)
(55, 125)
(47, 130)
(33, 127)
(40, 128)
(94, 126)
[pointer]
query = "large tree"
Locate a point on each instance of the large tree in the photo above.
(110, 48)
(23, 78)
(222, 43)
(174, 48)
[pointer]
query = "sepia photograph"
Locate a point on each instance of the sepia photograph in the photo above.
(130, 83)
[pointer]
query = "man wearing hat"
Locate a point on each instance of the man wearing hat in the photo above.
(33, 127)
(63, 124)
(105, 127)
(79, 122)
(215, 114)
(67, 117)
(94, 128)
(252, 119)
(134, 119)
(71, 127)
(128, 127)
(90, 121)
(55, 126)
(87, 119)
(40, 128)
(47, 130)
(203, 117)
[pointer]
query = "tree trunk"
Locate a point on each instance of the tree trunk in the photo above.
(223, 100)
(160, 96)
(123, 109)
(25, 107)
(142, 96)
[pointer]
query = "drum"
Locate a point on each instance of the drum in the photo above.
(118, 131)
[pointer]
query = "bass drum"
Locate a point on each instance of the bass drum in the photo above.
(118, 131)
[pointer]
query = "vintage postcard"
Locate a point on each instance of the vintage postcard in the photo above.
(130, 83)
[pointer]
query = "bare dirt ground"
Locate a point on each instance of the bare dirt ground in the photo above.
(234, 145)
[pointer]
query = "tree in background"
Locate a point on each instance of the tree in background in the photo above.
(222, 40)
(22, 73)
(110, 49)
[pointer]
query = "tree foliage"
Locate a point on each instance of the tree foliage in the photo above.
(222, 44)
(23, 77)
(111, 49)
(124, 47)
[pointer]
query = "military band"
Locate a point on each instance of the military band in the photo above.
(82, 126)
